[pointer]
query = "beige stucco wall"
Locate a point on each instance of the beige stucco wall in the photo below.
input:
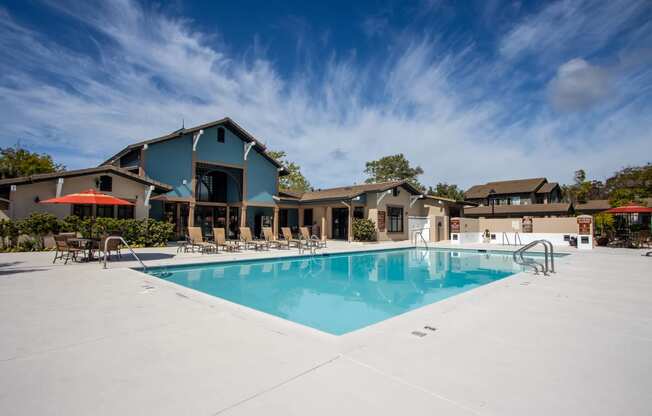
(469, 225)
(500, 225)
(555, 225)
(402, 200)
(438, 212)
(23, 198)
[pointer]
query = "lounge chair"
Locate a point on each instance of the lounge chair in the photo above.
(248, 240)
(197, 240)
(269, 237)
(220, 240)
(287, 235)
(64, 250)
(313, 239)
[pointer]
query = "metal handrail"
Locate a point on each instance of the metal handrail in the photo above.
(116, 237)
(419, 232)
(549, 257)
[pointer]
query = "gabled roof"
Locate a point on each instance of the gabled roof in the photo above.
(594, 205)
(505, 187)
(347, 192)
(226, 122)
(90, 171)
(557, 208)
(547, 187)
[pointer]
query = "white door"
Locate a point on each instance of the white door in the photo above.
(419, 224)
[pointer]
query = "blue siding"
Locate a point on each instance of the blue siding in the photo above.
(230, 152)
(261, 178)
(171, 162)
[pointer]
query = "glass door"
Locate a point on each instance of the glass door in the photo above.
(340, 223)
(234, 223)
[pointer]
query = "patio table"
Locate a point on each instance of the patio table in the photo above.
(86, 243)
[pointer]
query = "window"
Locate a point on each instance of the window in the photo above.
(105, 211)
(125, 212)
(220, 135)
(211, 184)
(358, 212)
(106, 183)
(395, 215)
(395, 191)
(82, 211)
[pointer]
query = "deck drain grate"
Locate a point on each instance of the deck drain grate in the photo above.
(419, 334)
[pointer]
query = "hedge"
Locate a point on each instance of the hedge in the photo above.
(138, 233)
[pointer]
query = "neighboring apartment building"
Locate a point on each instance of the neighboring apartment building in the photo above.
(219, 175)
(516, 198)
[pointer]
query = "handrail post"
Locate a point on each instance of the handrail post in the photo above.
(115, 237)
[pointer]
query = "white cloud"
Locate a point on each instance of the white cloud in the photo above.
(562, 27)
(578, 85)
(435, 106)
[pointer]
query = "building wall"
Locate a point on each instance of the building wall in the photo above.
(402, 200)
(261, 178)
(23, 199)
(230, 152)
(170, 162)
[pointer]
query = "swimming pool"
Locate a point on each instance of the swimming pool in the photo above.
(339, 293)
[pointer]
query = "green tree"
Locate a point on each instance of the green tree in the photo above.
(16, 162)
(393, 168)
(632, 183)
(294, 181)
(582, 189)
(446, 190)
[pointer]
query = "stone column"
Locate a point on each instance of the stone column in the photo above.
(276, 228)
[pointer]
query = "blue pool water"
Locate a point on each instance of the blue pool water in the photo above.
(343, 292)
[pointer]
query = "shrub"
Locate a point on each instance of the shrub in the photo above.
(137, 233)
(37, 226)
(604, 223)
(364, 229)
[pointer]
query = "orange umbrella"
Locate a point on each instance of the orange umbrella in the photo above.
(89, 197)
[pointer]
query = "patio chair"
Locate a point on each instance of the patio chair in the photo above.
(113, 245)
(220, 240)
(197, 240)
(269, 237)
(313, 239)
(287, 235)
(248, 240)
(64, 250)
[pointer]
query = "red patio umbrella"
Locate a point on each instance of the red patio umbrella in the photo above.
(88, 197)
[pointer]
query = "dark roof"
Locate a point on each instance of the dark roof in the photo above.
(504, 187)
(594, 205)
(82, 172)
(347, 192)
(557, 208)
(547, 187)
(226, 122)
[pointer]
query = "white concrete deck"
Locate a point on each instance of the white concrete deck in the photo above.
(78, 340)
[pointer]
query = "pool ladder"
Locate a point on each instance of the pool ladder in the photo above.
(116, 237)
(418, 232)
(549, 262)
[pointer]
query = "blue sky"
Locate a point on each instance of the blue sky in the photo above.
(470, 91)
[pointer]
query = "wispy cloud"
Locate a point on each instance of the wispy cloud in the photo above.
(458, 116)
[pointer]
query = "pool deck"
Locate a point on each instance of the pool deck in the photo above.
(79, 340)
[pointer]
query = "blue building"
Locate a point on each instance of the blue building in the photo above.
(220, 175)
